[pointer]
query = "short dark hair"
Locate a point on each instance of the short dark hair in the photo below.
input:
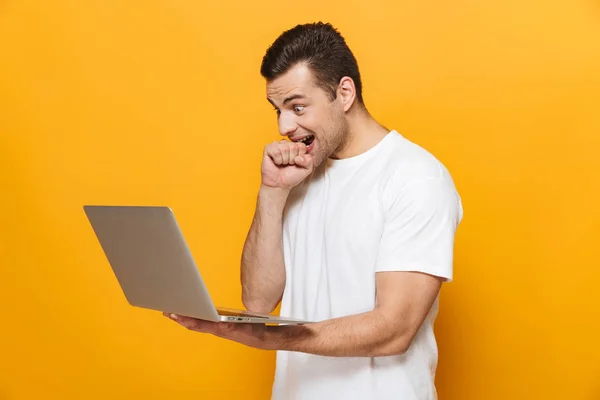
(324, 51)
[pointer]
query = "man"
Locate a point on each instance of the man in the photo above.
(354, 229)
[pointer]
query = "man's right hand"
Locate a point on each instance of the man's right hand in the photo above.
(285, 164)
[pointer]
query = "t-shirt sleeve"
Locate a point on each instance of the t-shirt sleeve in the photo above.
(420, 221)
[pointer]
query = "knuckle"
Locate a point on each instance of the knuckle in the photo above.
(221, 328)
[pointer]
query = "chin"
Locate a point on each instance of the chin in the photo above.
(318, 159)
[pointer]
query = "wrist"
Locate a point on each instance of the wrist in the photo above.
(275, 192)
(287, 337)
(273, 339)
(272, 199)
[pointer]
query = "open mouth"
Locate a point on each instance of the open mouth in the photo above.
(307, 140)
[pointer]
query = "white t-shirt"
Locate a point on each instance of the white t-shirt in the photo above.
(391, 208)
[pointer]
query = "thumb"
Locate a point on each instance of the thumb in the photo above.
(304, 161)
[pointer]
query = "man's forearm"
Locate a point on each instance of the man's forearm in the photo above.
(263, 269)
(371, 334)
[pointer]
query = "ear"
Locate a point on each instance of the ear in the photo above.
(346, 92)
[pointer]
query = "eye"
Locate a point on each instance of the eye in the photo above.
(277, 111)
(298, 108)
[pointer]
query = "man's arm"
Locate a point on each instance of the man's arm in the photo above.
(263, 269)
(285, 165)
(403, 301)
(421, 219)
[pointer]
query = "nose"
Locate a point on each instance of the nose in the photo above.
(287, 124)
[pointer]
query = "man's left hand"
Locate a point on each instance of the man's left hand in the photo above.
(253, 335)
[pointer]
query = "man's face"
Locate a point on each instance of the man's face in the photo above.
(306, 113)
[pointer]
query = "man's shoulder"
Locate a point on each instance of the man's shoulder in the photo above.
(411, 162)
(418, 177)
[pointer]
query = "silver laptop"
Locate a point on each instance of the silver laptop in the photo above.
(154, 266)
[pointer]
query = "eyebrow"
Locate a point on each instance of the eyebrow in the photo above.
(293, 97)
(288, 99)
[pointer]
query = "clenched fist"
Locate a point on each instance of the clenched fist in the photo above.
(285, 164)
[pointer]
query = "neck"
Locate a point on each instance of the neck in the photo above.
(364, 132)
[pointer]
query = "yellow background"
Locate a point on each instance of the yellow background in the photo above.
(161, 102)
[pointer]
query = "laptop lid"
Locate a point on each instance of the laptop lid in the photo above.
(150, 259)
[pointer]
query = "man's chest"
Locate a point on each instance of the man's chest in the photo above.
(339, 217)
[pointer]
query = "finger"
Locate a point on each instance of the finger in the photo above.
(293, 152)
(194, 324)
(271, 151)
(301, 149)
(226, 328)
(305, 161)
(275, 154)
(285, 153)
(170, 316)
